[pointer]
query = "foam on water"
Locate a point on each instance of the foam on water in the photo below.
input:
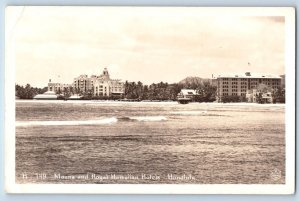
(89, 122)
(149, 118)
(66, 123)
(189, 112)
(246, 146)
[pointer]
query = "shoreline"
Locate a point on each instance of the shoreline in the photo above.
(145, 102)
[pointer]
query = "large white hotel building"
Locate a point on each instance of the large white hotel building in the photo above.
(239, 84)
(101, 85)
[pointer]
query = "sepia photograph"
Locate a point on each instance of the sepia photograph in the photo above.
(187, 99)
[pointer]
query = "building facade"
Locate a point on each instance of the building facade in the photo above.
(83, 83)
(58, 87)
(254, 96)
(187, 94)
(101, 85)
(239, 84)
(104, 86)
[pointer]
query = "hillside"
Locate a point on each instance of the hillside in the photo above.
(192, 81)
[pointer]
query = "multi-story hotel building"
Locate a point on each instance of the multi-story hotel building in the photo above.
(98, 85)
(58, 87)
(238, 84)
(104, 86)
(83, 83)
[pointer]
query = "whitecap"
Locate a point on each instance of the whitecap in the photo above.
(149, 118)
(189, 112)
(66, 123)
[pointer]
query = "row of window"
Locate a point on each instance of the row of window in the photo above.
(234, 87)
(104, 94)
(117, 89)
(235, 83)
(252, 85)
(112, 88)
(251, 79)
(234, 94)
(100, 88)
(234, 90)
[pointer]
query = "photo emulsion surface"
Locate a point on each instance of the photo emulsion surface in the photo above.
(145, 95)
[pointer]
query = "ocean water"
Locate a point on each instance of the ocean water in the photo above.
(138, 142)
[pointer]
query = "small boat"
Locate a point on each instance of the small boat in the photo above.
(184, 100)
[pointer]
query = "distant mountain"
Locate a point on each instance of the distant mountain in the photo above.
(193, 81)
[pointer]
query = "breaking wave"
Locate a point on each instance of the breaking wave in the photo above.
(67, 123)
(189, 112)
(89, 122)
(149, 118)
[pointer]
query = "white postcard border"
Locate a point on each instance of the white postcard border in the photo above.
(288, 188)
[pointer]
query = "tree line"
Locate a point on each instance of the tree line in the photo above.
(28, 92)
(161, 91)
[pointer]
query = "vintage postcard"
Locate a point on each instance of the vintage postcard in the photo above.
(149, 100)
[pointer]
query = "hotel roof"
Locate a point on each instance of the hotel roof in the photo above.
(46, 95)
(248, 75)
(188, 92)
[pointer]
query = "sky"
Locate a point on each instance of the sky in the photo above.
(142, 44)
